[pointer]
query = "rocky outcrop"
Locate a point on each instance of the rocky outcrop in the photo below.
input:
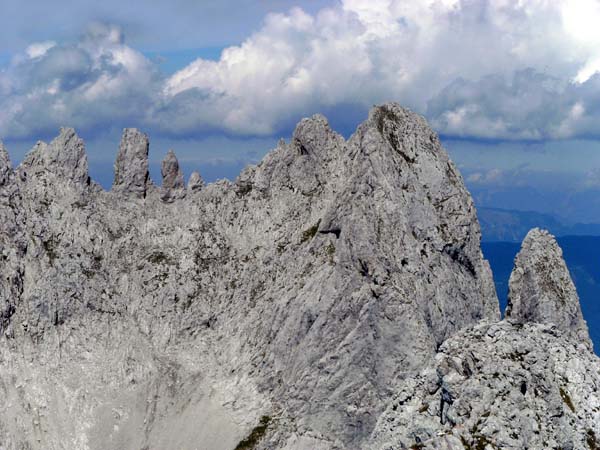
(195, 183)
(541, 289)
(304, 292)
(131, 167)
(5, 166)
(499, 386)
(284, 309)
(173, 186)
(530, 381)
(64, 158)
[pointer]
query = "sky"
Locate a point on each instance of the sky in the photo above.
(511, 86)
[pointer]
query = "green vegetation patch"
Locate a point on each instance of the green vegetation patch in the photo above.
(256, 435)
(567, 399)
(310, 233)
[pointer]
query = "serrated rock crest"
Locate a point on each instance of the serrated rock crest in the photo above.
(294, 300)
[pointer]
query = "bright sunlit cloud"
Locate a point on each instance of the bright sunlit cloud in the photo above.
(497, 69)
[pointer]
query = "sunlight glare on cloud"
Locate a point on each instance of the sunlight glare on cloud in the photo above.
(38, 49)
(581, 19)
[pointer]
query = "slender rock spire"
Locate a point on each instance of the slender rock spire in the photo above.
(172, 178)
(541, 289)
(131, 166)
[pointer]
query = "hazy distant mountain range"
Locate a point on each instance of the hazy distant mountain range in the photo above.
(503, 225)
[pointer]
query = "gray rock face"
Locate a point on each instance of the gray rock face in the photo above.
(541, 289)
(505, 386)
(5, 166)
(172, 178)
(288, 306)
(64, 157)
(11, 248)
(195, 183)
(131, 166)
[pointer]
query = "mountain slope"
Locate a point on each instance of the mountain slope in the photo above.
(292, 301)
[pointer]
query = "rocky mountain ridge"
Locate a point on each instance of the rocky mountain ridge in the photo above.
(283, 310)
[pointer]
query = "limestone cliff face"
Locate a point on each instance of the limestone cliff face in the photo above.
(305, 291)
(282, 310)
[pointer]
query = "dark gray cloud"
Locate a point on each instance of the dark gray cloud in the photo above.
(529, 106)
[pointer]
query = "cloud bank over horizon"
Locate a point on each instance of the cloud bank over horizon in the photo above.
(489, 69)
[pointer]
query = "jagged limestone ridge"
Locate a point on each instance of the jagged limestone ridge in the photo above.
(64, 157)
(497, 386)
(305, 291)
(5, 165)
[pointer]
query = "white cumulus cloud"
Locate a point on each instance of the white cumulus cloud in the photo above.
(507, 69)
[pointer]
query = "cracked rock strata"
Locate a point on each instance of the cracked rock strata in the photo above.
(64, 157)
(530, 381)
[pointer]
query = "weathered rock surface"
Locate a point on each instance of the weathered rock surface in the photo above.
(64, 157)
(530, 381)
(541, 289)
(173, 186)
(285, 308)
(499, 386)
(195, 183)
(5, 166)
(131, 166)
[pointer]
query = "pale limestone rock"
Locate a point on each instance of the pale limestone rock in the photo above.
(541, 289)
(131, 166)
(64, 157)
(195, 183)
(5, 166)
(307, 292)
(172, 186)
(498, 386)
